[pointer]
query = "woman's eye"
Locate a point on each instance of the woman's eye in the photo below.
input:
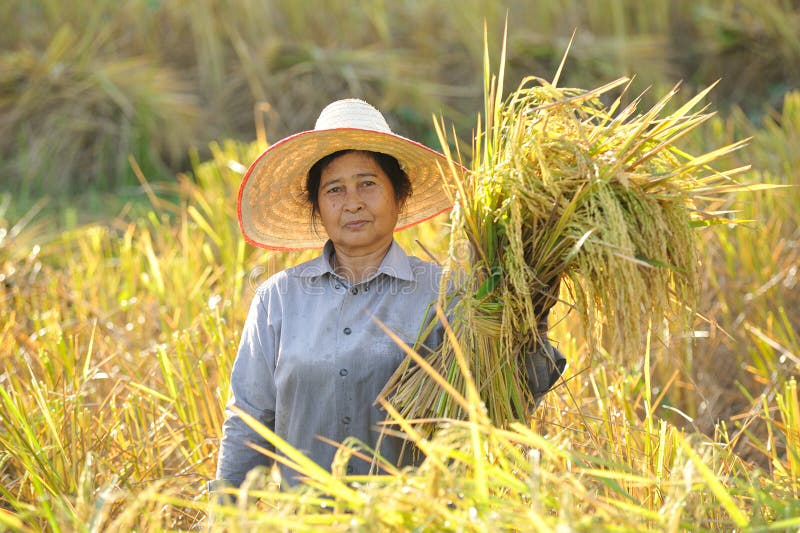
(333, 190)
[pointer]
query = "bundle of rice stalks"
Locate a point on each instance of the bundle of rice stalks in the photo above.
(563, 187)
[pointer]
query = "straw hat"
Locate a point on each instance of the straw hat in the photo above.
(273, 208)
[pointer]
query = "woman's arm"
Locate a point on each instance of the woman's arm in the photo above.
(544, 364)
(252, 391)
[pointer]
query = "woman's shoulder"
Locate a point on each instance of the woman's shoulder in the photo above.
(264, 286)
(425, 272)
(283, 279)
(424, 265)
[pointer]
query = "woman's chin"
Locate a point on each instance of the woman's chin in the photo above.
(354, 240)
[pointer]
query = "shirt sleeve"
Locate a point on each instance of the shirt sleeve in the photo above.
(252, 391)
(544, 366)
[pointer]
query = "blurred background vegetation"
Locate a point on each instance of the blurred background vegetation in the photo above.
(124, 130)
(85, 86)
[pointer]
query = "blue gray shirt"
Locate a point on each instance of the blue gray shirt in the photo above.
(312, 359)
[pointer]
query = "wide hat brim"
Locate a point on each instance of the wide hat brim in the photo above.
(273, 209)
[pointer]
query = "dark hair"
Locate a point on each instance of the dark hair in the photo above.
(401, 184)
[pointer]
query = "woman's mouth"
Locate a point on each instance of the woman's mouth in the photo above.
(356, 224)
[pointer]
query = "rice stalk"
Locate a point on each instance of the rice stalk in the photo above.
(788, 469)
(474, 476)
(565, 188)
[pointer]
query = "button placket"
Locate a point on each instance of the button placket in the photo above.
(347, 339)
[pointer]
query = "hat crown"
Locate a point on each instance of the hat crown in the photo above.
(351, 113)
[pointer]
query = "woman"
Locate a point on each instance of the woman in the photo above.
(312, 358)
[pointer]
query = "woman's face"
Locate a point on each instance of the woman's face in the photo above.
(357, 203)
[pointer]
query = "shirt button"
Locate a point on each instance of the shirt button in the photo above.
(354, 290)
(347, 331)
(346, 420)
(343, 372)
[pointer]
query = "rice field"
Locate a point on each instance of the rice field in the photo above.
(118, 338)
(118, 329)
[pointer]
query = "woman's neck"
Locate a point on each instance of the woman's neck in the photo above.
(356, 267)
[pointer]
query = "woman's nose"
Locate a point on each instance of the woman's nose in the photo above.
(353, 202)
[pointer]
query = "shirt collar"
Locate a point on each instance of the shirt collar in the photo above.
(395, 263)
